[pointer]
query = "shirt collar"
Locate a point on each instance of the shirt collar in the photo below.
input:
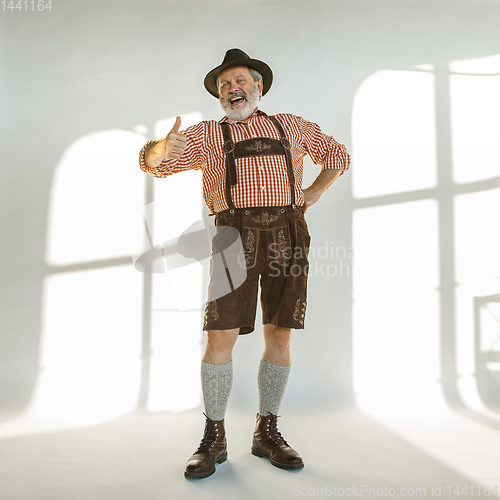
(257, 112)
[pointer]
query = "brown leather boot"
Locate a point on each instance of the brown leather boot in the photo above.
(268, 442)
(212, 450)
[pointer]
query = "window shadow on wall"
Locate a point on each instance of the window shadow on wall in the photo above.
(426, 259)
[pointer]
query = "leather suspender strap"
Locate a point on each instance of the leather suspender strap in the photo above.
(231, 178)
(228, 148)
(288, 155)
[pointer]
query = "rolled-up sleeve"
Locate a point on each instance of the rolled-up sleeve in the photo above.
(323, 149)
(191, 159)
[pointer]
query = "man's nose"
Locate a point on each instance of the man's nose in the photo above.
(234, 87)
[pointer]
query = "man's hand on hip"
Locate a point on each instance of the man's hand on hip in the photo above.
(311, 195)
(314, 192)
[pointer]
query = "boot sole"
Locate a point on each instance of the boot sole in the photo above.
(260, 453)
(202, 475)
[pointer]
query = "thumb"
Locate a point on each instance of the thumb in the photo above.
(177, 125)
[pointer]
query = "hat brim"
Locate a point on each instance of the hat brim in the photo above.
(210, 81)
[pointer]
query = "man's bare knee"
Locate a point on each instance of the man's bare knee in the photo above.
(277, 345)
(219, 346)
(277, 336)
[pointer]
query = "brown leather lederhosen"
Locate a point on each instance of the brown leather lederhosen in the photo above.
(261, 146)
(283, 296)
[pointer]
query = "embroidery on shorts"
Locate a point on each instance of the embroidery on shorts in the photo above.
(211, 311)
(205, 319)
(214, 311)
(249, 247)
(300, 311)
(265, 218)
(283, 250)
(258, 146)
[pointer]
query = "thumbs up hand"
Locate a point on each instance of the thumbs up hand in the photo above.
(177, 125)
(174, 144)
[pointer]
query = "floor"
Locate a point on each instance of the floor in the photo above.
(347, 453)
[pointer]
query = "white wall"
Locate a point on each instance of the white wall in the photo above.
(87, 82)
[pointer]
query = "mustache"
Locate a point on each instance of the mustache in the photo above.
(232, 95)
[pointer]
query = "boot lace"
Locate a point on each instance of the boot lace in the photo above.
(209, 435)
(273, 431)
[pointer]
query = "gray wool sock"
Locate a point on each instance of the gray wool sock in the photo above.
(216, 383)
(271, 380)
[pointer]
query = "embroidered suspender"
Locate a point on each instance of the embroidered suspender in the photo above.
(261, 146)
(288, 155)
(228, 148)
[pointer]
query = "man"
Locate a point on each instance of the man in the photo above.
(252, 181)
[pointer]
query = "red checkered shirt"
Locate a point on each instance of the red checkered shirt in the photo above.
(262, 180)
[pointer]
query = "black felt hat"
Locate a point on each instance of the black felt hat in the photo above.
(236, 57)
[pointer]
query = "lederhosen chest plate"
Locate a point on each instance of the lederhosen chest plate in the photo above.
(259, 146)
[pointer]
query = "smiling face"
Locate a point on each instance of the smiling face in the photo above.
(239, 94)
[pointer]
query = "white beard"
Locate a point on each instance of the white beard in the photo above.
(246, 110)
